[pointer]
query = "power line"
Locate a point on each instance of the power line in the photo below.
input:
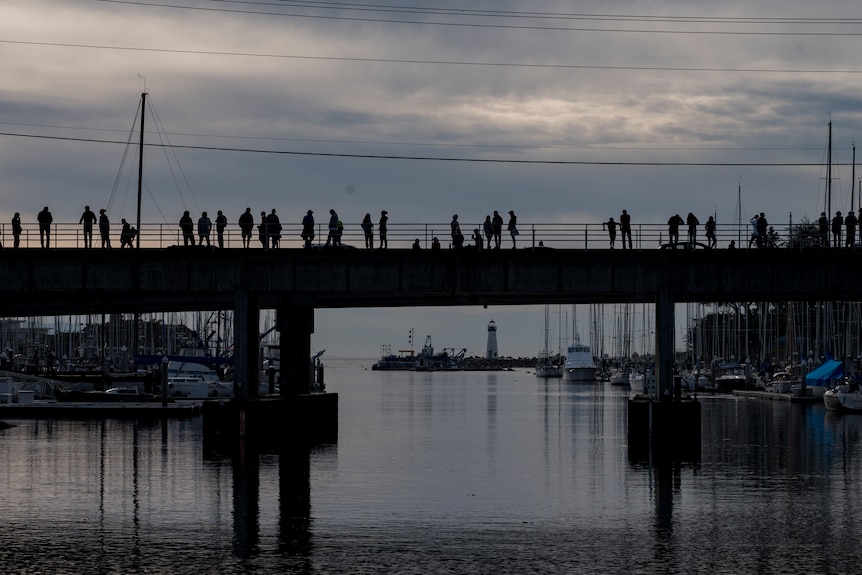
(437, 62)
(504, 26)
(431, 158)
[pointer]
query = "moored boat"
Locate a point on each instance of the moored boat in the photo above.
(846, 398)
(580, 367)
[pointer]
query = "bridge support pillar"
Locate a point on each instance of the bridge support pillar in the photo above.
(295, 324)
(246, 333)
(664, 344)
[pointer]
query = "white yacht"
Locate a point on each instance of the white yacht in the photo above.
(580, 367)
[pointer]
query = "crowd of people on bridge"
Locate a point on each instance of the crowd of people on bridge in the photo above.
(835, 232)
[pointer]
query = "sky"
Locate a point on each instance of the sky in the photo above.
(560, 111)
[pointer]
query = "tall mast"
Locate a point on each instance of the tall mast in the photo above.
(829, 174)
(853, 178)
(140, 168)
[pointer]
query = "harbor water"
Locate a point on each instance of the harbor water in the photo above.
(440, 472)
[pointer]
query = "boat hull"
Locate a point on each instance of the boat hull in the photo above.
(579, 375)
(843, 400)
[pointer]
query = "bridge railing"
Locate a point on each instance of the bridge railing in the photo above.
(400, 235)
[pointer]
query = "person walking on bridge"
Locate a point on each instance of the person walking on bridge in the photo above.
(105, 229)
(837, 222)
(187, 227)
(88, 218)
(273, 229)
(332, 238)
(45, 220)
(626, 228)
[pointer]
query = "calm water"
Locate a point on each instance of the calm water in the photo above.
(440, 473)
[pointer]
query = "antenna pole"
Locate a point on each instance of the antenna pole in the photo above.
(140, 168)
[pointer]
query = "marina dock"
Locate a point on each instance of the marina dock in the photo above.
(50, 409)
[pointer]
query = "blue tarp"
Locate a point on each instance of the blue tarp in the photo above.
(829, 373)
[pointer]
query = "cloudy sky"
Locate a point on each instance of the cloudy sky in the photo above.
(561, 111)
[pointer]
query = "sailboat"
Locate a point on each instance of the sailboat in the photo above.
(546, 368)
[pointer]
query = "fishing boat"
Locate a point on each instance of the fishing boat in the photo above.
(580, 367)
(425, 360)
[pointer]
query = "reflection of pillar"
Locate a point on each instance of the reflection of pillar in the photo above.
(295, 325)
(246, 490)
(294, 498)
(246, 328)
(664, 343)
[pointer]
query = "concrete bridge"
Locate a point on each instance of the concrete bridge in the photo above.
(296, 281)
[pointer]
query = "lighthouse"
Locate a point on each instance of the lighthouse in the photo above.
(492, 352)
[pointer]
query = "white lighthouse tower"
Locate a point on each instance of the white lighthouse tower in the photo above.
(492, 352)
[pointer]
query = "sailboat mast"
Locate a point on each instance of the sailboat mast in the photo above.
(853, 178)
(829, 175)
(140, 168)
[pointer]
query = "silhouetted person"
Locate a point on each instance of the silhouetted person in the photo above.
(762, 227)
(435, 243)
(273, 229)
(45, 220)
(221, 224)
(105, 229)
(307, 228)
(512, 226)
(88, 218)
(262, 233)
(457, 238)
(16, 230)
(673, 225)
(246, 225)
(488, 228)
(497, 223)
(416, 245)
(332, 238)
(823, 228)
(755, 238)
(204, 226)
(126, 235)
(626, 228)
(611, 225)
(368, 229)
(850, 226)
(837, 222)
(382, 228)
(710, 232)
(477, 239)
(187, 227)
(692, 222)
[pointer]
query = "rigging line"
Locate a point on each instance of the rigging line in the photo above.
(490, 26)
(437, 62)
(437, 159)
(160, 130)
(539, 15)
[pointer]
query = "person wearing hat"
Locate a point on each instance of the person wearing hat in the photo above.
(308, 228)
(837, 222)
(513, 228)
(850, 225)
(381, 229)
